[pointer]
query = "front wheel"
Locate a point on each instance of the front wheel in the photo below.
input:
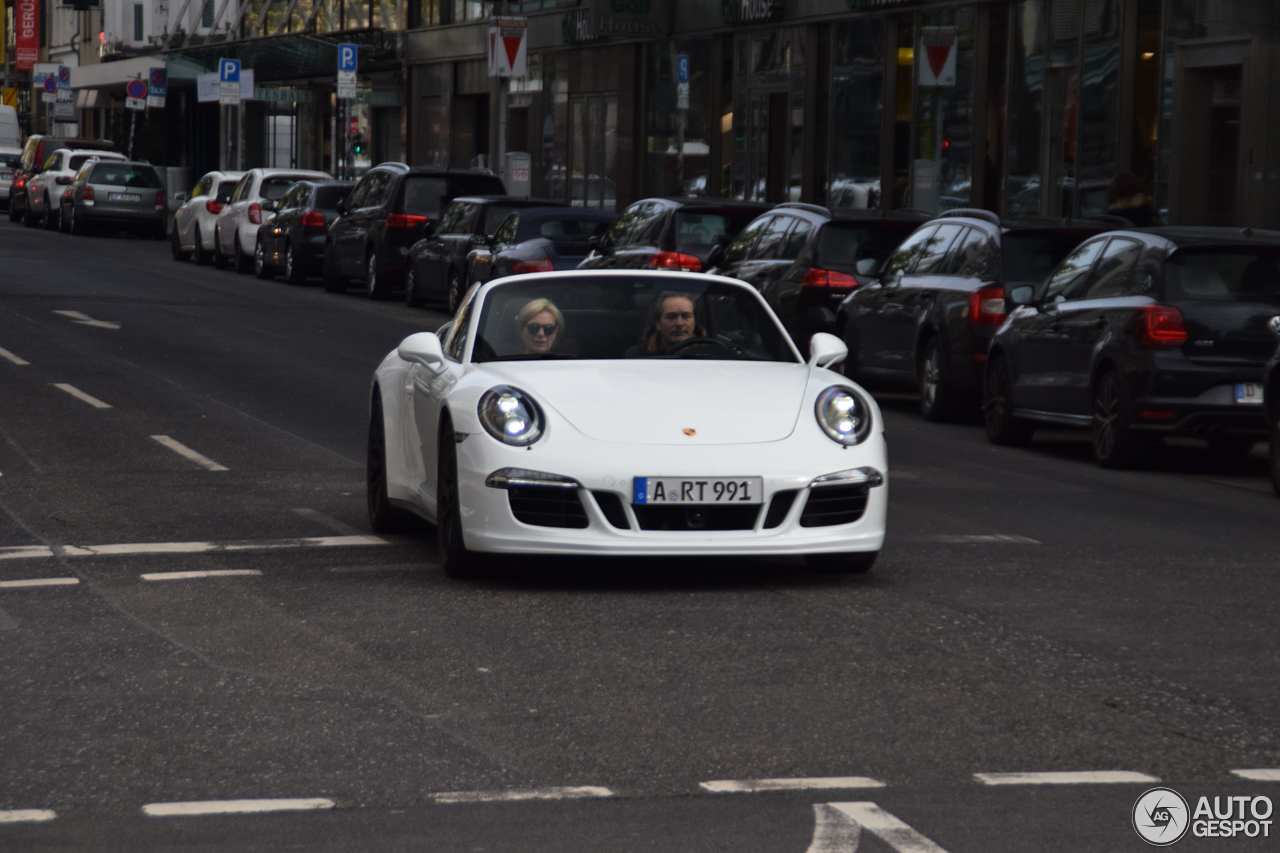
(64, 220)
(76, 226)
(219, 259)
(1114, 443)
(855, 563)
(457, 561)
(937, 394)
(997, 407)
(412, 297)
(260, 266)
(28, 215)
(14, 213)
(294, 270)
(383, 517)
(375, 285)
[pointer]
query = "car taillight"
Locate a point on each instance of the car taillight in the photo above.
(86, 193)
(828, 278)
(255, 214)
(214, 207)
(313, 219)
(675, 261)
(986, 306)
(1161, 326)
(537, 265)
(20, 182)
(159, 198)
(405, 220)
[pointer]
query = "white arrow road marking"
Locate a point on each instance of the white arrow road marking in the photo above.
(809, 783)
(182, 450)
(86, 320)
(27, 815)
(210, 807)
(1259, 775)
(80, 395)
(1080, 777)
(21, 362)
(828, 838)
(579, 793)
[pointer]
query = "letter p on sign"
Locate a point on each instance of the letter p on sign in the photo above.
(346, 57)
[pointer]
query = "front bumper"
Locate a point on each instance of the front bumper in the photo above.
(489, 523)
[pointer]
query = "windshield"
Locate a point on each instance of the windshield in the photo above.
(702, 229)
(615, 317)
(845, 245)
(1032, 255)
(327, 198)
(1232, 275)
(11, 161)
(275, 188)
(126, 175)
(571, 229)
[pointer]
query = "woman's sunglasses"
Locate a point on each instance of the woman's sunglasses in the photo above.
(548, 329)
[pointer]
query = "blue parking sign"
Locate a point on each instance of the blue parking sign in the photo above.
(347, 57)
(228, 71)
(682, 68)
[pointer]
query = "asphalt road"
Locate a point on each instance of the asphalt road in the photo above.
(1030, 613)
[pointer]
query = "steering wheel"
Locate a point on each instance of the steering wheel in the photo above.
(689, 343)
(702, 234)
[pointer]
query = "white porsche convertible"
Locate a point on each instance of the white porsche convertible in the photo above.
(626, 413)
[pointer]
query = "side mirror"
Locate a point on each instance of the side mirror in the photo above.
(866, 266)
(716, 256)
(422, 348)
(341, 206)
(1022, 295)
(826, 349)
(267, 205)
(180, 197)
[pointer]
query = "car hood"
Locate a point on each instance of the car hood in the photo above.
(654, 401)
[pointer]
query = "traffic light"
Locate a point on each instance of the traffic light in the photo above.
(357, 143)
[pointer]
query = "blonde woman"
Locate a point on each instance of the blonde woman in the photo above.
(539, 322)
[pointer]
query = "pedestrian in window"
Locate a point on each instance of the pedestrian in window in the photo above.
(1126, 199)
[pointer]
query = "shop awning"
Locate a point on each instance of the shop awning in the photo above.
(112, 76)
(297, 56)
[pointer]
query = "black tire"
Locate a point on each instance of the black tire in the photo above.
(261, 268)
(453, 293)
(1275, 456)
(383, 517)
(219, 259)
(997, 407)
(64, 219)
(412, 297)
(52, 217)
(243, 263)
(853, 563)
(14, 213)
(295, 271)
(175, 245)
(201, 255)
(376, 286)
(456, 560)
(333, 281)
(1114, 443)
(1231, 446)
(28, 215)
(937, 391)
(76, 227)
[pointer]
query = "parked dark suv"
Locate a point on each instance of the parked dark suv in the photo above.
(940, 297)
(805, 260)
(35, 152)
(1142, 334)
(671, 234)
(392, 207)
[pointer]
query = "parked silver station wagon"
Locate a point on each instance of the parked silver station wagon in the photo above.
(119, 195)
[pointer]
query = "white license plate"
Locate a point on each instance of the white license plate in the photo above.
(699, 490)
(123, 197)
(1249, 393)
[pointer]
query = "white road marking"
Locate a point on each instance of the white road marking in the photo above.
(579, 793)
(833, 832)
(21, 362)
(809, 783)
(893, 832)
(182, 450)
(27, 815)
(80, 395)
(86, 320)
(212, 807)
(27, 584)
(184, 576)
(1259, 774)
(18, 552)
(1080, 777)
(985, 537)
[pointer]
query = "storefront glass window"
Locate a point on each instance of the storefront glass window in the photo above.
(941, 176)
(678, 144)
(857, 108)
(766, 100)
(1025, 102)
(1099, 106)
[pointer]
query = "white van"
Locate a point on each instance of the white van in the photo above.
(10, 135)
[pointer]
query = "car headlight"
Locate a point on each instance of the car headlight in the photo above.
(511, 416)
(843, 415)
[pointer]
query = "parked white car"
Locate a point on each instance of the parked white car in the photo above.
(10, 160)
(620, 412)
(236, 231)
(194, 221)
(45, 189)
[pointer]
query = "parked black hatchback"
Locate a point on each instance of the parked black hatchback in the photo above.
(671, 234)
(1143, 334)
(805, 260)
(392, 207)
(940, 297)
(293, 240)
